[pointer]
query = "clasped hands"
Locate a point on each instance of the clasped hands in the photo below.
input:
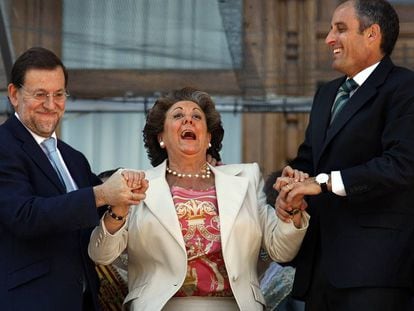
(292, 186)
(124, 188)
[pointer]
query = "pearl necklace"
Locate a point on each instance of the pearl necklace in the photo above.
(205, 173)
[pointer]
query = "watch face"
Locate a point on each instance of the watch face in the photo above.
(322, 178)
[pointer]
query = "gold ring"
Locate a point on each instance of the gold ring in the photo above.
(294, 212)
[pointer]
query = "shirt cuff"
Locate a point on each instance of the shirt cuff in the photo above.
(337, 183)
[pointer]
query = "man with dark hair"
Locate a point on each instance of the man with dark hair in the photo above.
(358, 253)
(48, 196)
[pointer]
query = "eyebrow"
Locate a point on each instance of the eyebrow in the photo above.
(181, 108)
(44, 90)
(338, 24)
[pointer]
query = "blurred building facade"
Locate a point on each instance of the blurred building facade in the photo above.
(262, 60)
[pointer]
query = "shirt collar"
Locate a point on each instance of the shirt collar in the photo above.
(363, 75)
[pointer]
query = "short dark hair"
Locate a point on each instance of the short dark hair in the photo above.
(271, 193)
(156, 117)
(35, 58)
(382, 13)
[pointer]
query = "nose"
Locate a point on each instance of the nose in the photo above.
(330, 39)
(188, 119)
(49, 101)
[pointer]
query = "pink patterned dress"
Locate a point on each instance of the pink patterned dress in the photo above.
(200, 225)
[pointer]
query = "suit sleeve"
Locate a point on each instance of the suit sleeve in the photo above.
(391, 169)
(31, 206)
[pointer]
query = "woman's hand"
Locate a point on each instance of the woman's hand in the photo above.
(117, 214)
(289, 210)
(124, 187)
(291, 195)
(137, 183)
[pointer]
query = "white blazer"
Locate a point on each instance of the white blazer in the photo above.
(157, 259)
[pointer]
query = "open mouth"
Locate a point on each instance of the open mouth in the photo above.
(187, 134)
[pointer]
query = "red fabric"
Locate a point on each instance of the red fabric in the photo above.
(200, 225)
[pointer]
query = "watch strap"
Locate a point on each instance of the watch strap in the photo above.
(324, 187)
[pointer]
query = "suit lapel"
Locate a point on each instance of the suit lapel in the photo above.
(34, 152)
(70, 160)
(360, 98)
(231, 191)
(322, 114)
(355, 103)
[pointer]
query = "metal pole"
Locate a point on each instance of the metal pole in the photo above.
(5, 46)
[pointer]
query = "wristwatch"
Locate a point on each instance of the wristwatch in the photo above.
(322, 180)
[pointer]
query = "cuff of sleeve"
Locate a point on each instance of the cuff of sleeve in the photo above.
(119, 232)
(287, 227)
(337, 183)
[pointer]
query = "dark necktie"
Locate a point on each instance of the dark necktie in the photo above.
(342, 97)
(49, 146)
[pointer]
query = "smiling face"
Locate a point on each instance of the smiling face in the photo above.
(41, 117)
(352, 49)
(185, 132)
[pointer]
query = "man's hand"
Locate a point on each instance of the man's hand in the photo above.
(286, 208)
(291, 195)
(297, 175)
(123, 188)
(212, 161)
(289, 208)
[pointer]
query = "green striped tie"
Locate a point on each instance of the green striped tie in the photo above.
(342, 97)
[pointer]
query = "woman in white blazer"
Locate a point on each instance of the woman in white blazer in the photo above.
(194, 241)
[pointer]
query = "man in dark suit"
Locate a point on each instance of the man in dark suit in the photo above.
(358, 253)
(45, 222)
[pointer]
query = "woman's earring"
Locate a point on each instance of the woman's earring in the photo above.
(209, 145)
(162, 144)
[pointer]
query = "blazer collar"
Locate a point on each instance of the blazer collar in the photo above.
(159, 201)
(230, 189)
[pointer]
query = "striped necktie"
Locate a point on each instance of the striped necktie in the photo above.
(50, 148)
(342, 97)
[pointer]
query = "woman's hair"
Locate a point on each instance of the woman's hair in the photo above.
(156, 117)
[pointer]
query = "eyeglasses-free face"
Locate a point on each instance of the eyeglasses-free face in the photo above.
(41, 95)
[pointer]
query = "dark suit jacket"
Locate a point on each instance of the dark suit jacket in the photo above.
(367, 237)
(44, 232)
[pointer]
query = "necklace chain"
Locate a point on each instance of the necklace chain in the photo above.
(204, 173)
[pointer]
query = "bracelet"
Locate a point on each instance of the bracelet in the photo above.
(115, 216)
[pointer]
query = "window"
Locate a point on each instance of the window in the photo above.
(152, 34)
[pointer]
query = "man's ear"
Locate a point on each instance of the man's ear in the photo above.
(12, 93)
(373, 32)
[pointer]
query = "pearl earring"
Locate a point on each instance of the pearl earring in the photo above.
(162, 144)
(209, 145)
